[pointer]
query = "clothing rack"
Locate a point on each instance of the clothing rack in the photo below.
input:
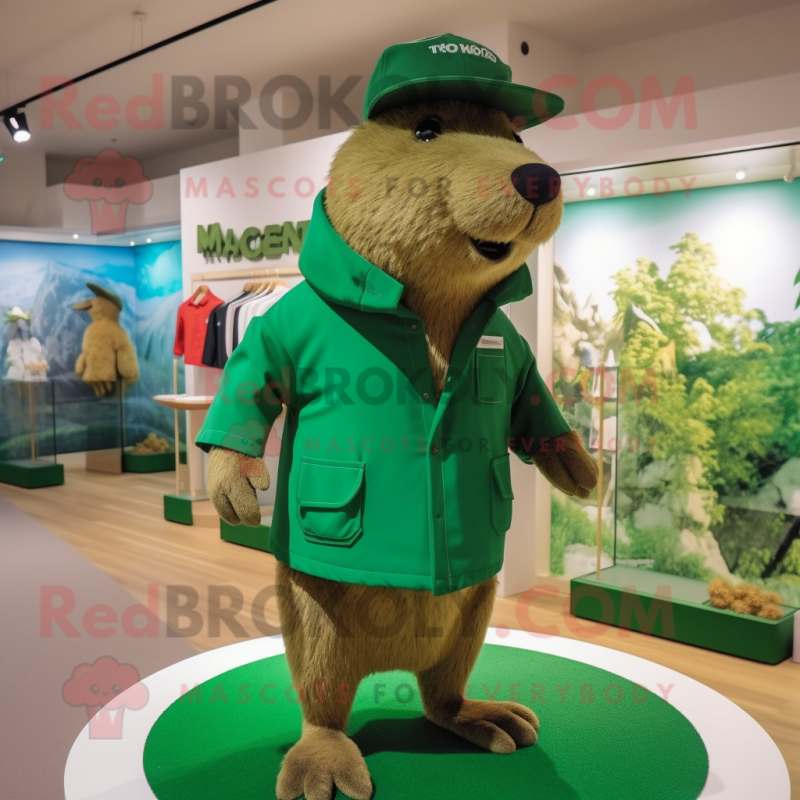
(236, 274)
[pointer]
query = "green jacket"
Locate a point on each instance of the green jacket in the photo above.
(379, 484)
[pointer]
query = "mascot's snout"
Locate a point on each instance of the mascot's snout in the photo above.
(537, 183)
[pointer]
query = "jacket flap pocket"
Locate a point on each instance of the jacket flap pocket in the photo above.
(490, 368)
(501, 472)
(329, 484)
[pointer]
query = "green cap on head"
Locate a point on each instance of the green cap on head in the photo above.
(449, 67)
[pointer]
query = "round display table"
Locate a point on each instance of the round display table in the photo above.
(189, 504)
(613, 727)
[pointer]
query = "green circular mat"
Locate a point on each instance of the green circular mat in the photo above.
(601, 737)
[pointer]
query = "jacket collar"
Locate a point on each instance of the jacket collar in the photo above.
(342, 276)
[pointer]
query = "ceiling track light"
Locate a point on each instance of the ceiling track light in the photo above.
(17, 125)
(10, 111)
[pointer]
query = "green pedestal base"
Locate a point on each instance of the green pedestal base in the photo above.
(242, 534)
(178, 508)
(31, 474)
(602, 736)
(677, 608)
(148, 462)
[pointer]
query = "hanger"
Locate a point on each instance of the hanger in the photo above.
(266, 286)
(201, 291)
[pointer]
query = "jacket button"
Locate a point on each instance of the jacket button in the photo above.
(435, 449)
(426, 396)
(413, 326)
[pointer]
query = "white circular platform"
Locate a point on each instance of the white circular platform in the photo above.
(744, 762)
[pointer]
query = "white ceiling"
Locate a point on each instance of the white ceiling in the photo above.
(303, 37)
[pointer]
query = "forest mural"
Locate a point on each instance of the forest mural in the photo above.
(692, 305)
(46, 280)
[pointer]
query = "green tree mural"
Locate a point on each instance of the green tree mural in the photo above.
(722, 416)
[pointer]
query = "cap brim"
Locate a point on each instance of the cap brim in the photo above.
(101, 292)
(523, 105)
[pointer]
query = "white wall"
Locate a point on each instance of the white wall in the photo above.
(53, 209)
(173, 163)
(22, 180)
(32, 189)
(745, 76)
(527, 553)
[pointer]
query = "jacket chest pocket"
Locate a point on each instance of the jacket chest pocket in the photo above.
(502, 497)
(490, 376)
(330, 500)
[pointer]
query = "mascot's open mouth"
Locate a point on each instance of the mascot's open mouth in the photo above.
(494, 251)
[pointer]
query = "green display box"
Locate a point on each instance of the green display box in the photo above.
(178, 507)
(677, 608)
(31, 474)
(148, 462)
(257, 537)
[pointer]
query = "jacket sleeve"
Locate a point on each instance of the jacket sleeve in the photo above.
(535, 417)
(209, 357)
(179, 347)
(256, 382)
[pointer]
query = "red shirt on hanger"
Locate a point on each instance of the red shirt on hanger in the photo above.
(190, 333)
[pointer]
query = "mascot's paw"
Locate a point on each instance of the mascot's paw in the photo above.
(232, 480)
(321, 760)
(497, 726)
(567, 465)
(102, 388)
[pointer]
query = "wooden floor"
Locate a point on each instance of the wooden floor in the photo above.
(116, 521)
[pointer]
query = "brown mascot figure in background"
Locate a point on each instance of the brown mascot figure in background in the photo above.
(107, 353)
(432, 208)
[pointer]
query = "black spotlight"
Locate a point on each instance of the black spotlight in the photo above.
(17, 126)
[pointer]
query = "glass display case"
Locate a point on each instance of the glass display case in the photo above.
(28, 456)
(692, 312)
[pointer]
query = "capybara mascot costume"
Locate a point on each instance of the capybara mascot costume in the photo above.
(405, 388)
(107, 353)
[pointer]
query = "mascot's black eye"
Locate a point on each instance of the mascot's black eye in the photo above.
(97, 182)
(517, 138)
(119, 182)
(427, 129)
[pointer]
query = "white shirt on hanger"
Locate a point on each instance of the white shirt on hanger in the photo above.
(258, 305)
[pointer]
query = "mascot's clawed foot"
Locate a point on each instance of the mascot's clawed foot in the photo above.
(324, 757)
(494, 725)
